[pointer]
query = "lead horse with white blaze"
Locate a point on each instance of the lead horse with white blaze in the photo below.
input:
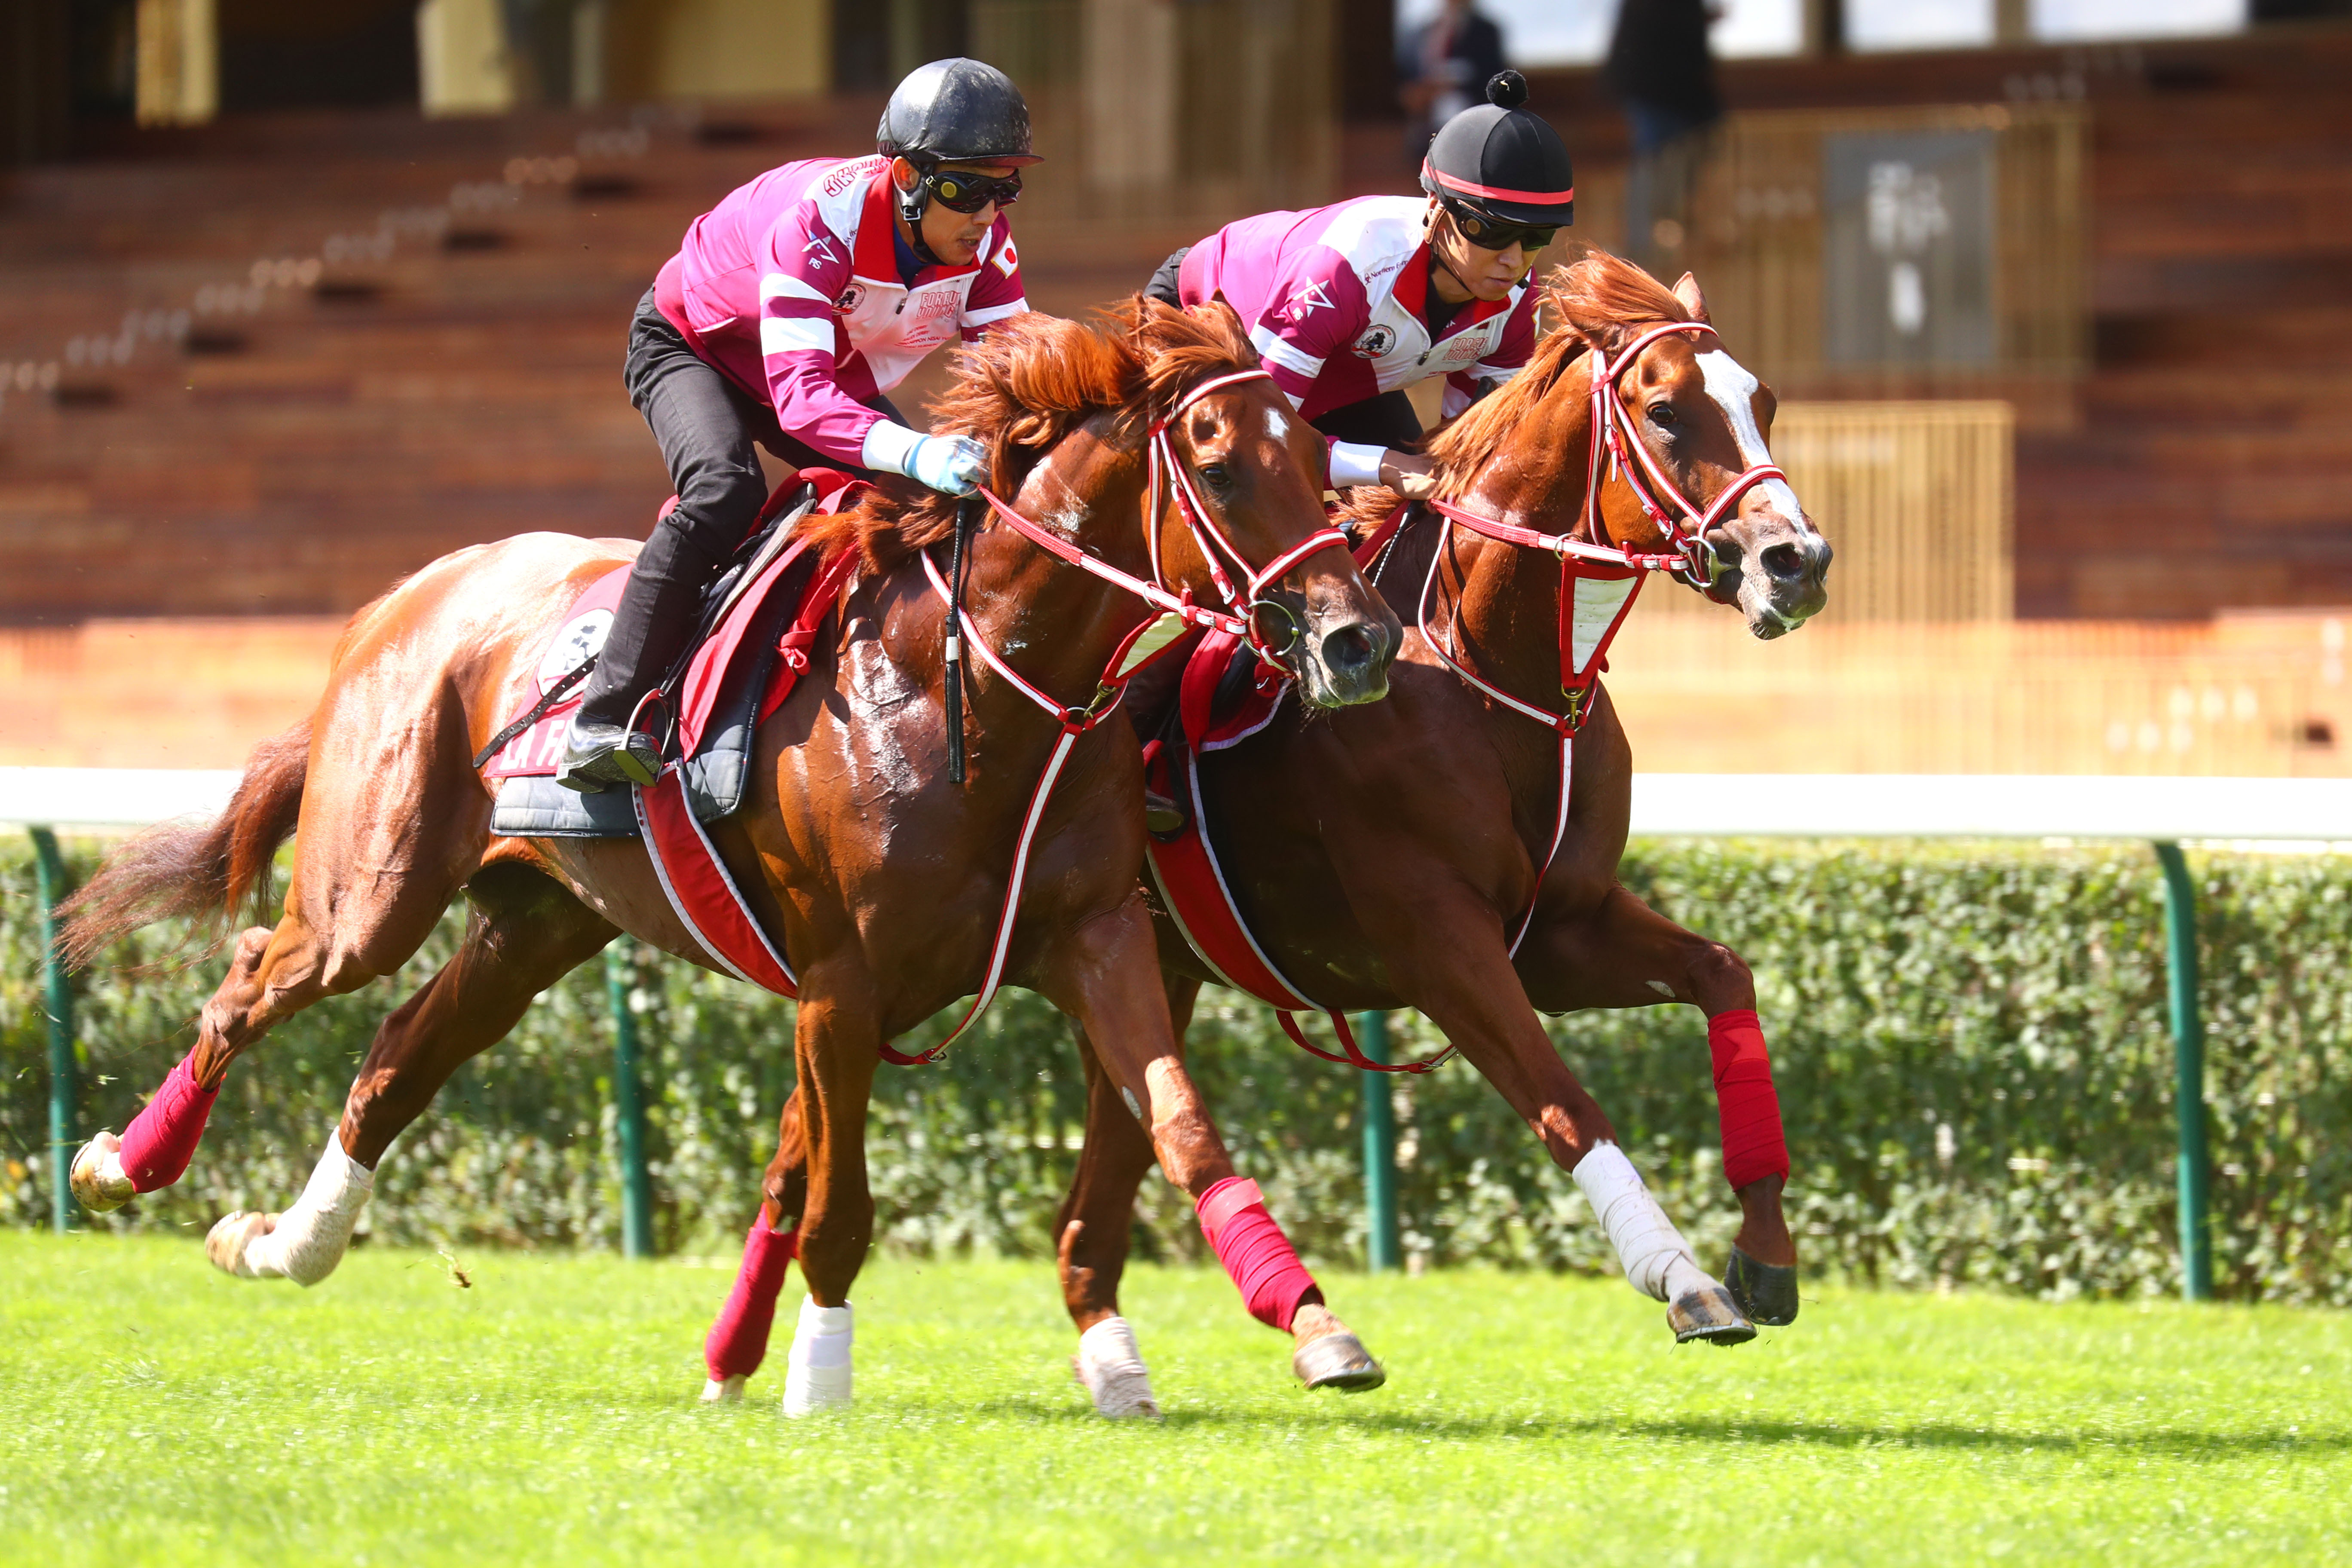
(880, 879)
(1456, 849)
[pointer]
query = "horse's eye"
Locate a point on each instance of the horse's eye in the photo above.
(1662, 414)
(1215, 474)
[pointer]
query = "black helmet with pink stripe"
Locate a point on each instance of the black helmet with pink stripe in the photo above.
(1500, 163)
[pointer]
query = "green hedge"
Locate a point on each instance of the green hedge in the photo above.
(1969, 1041)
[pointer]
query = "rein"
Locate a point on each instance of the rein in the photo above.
(964, 633)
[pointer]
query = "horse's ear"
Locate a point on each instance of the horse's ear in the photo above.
(1606, 337)
(1693, 300)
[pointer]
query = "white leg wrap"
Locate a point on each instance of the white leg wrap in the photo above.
(1657, 1259)
(817, 1372)
(1111, 1367)
(309, 1238)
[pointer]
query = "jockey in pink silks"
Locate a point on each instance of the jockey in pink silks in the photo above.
(790, 310)
(1350, 304)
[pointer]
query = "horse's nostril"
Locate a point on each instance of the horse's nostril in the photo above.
(1785, 562)
(1352, 649)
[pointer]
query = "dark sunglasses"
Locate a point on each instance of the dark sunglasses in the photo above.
(1489, 234)
(961, 193)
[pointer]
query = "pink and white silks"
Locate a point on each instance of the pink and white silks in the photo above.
(790, 286)
(1335, 300)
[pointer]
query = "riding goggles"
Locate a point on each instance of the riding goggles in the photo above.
(961, 192)
(1494, 234)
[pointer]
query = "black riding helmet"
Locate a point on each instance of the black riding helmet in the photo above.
(1500, 163)
(952, 112)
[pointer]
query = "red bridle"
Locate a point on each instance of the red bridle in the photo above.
(1594, 561)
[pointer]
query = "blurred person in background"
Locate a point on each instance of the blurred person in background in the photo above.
(1440, 65)
(1664, 73)
(782, 320)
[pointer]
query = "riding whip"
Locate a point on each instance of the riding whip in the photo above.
(967, 515)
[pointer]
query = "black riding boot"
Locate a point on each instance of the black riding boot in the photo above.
(655, 618)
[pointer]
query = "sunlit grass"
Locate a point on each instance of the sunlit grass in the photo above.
(152, 1411)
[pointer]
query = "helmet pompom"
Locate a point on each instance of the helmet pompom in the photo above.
(1506, 89)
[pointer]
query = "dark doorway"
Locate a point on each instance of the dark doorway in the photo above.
(317, 54)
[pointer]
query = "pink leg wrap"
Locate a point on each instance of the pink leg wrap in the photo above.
(163, 1137)
(1265, 1267)
(738, 1342)
(1753, 1144)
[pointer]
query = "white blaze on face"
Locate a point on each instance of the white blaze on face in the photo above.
(1734, 387)
(1276, 425)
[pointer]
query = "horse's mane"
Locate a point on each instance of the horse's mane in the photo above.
(1589, 295)
(1027, 385)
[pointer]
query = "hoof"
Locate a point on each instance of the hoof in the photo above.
(228, 1239)
(1767, 1292)
(1337, 1360)
(1709, 1315)
(97, 1179)
(726, 1390)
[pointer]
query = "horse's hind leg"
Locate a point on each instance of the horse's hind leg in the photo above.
(1091, 1232)
(393, 824)
(523, 932)
(738, 1342)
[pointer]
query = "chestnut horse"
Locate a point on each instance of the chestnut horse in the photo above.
(1396, 855)
(880, 876)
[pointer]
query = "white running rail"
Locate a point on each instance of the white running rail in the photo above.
(1785, 805)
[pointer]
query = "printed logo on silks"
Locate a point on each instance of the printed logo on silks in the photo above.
(574, 643)
(1375, 343)
(851, 298)
(1008, 260)
(1464, 349)
(1304, 303)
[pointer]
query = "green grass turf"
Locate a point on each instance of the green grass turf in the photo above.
(153, 1412)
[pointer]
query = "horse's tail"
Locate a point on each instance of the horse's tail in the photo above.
(204, 872)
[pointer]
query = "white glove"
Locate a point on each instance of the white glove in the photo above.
(952, 465)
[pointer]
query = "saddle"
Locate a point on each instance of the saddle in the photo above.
(759, 621)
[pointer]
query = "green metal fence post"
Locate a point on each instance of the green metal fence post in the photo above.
(2189, 1066)
(629, 1106)
(1380, 1248)
(51, 874)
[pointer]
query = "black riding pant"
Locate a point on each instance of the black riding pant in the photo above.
(709, 429)
(1386, 419)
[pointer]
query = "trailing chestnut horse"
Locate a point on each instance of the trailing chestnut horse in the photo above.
(881, 877)
(1416, 855)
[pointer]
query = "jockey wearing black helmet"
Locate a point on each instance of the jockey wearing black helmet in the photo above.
(782, 322)
(1350, 304)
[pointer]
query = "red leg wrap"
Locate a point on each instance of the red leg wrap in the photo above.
(1265, 1267)
(163, 1137)
(738, 1342)
(1753, 1144)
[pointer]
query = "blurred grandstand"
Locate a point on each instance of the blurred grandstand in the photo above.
(271, 335)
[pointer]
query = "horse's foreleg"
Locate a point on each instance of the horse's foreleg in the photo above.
(1106, 974)
(838, 1046)
(1623, 954)
(1445, 954)
(738, 1341)
(1091, 1231)
(525, 933)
